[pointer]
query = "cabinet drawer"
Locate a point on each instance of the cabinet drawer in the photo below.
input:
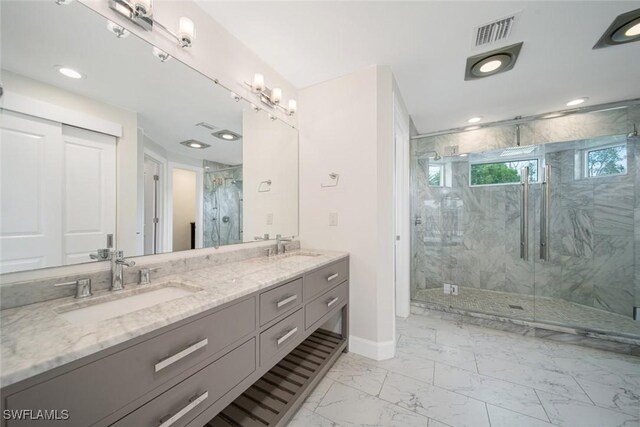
(326, 302)
(276, 341)
(325, 278)
(97, 389)
(180, 404)
(280, 300)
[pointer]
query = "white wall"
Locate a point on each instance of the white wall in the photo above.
(270, 152)
(184, 207)
(127, 149)
(346, 126)
(215, 52)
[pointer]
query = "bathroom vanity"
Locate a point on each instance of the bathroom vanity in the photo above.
(247, 331)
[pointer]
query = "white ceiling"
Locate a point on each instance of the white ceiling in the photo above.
(170, 98)
(427, 43)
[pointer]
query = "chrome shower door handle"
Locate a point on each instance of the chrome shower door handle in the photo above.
(545, 214)
(524, 214)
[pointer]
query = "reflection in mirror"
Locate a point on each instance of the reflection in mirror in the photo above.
(109, 143)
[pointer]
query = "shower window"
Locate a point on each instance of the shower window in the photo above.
(436, 175)
(604, 161)
(505, 172)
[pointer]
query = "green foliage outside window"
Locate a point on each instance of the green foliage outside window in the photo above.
(503, 172)
(607, 161)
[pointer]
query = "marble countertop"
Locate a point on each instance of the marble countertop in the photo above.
(35, 339)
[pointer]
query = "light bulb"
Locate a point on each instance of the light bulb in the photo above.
(186, 32)
(293, 106)
(491, 66)
(258, 82)
(276, 95)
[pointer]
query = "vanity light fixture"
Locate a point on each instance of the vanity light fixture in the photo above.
(624, 29)
(69, 72)
(118, 30)
(576, 101)
(140, 12)
(493, 62)
(161, 54)
(192, 143)
(227, 135)
(272, 98)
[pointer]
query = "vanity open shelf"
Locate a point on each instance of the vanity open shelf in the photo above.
(274, 398)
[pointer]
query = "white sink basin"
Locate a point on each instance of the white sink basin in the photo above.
(110, 306)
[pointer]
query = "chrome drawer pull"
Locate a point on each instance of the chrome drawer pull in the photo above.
(332, 301)
(184, 353)
(182, 412)
(333, 276)
(286, 301)
(287, 336)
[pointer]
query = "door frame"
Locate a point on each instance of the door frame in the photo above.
(402, 213)
(162, 194)
(169, 203)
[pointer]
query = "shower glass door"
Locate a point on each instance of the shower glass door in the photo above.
(493, 263)
(588, 279)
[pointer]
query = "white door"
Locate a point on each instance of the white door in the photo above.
(89, 192)
(30, 190)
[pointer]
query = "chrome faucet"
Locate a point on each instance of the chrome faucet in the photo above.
(280, 248)
(117, 269)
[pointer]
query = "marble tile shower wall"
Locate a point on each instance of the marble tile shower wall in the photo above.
(470, 236)
(222, 205)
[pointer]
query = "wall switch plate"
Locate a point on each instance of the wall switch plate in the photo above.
(333, 219)
(269, 219)
(454, 289)
(447, 288)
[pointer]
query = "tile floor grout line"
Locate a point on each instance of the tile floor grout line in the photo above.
(542, 404)
(584, 391)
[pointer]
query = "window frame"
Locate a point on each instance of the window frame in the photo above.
(537, 159)
(585, 160)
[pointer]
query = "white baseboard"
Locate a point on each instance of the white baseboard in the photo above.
(372, 349)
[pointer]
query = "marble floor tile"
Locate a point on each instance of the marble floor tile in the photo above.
(528, 376)
(437, 384)
(438, 353)
(416, 329)
(352, 371)
(406, 364)
(434, 402)
(623, 399)
(348, 407)
(312, 400)
(570, 413)
(501, 417)
(307, 418)
(497, 392)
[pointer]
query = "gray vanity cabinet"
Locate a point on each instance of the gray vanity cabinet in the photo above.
(186, 373)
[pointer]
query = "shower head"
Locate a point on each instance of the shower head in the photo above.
(437, 156)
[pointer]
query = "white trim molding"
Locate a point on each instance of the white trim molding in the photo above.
(34, 107)
(371, 349)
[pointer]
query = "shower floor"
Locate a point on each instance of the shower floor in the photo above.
(550, 310)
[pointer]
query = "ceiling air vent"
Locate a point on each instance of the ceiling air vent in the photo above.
(494, 31)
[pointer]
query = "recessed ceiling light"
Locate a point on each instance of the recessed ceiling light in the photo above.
(192, 143)
(489, 63)
(463, 155)
(624, 29)
(227, 135)
(69, 72)
(475, 119)
(633, 31)
(576, 101)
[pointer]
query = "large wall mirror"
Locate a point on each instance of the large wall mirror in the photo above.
(107, 142)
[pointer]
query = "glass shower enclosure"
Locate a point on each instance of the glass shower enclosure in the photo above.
(543, 233)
